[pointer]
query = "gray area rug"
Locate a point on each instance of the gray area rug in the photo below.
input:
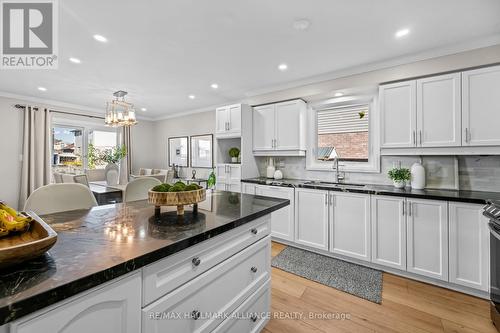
(354, 279)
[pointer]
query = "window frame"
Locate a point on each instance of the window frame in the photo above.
(373, 163)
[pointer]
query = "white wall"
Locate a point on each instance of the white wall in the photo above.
(143, 146)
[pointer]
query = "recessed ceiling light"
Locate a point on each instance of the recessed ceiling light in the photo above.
(301, 24)
(75, 60)
(283, 67)
(192, 96)
(144, 109)
(214, 85)
(338, 94)
(42, 88)
(402, 33)
(100, 38)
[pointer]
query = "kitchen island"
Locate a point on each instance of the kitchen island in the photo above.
(115, 269)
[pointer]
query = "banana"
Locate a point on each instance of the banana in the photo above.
(14, 213)
(9, 223)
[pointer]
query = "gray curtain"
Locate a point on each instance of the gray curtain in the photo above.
(126, 163)
(35, 170)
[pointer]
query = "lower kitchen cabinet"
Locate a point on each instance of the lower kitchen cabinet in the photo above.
(115, 308)
(388, 231)
(311, 215)
(427, 238)
(282, 220)
(469, 246)
(350, 224)
(248, 188)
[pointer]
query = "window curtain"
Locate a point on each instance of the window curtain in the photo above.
(35, 170)
(126, 163)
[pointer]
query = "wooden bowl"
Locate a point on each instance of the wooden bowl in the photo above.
(19, 247)
(178, 199)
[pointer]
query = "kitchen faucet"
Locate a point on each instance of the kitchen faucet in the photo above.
(338, 178)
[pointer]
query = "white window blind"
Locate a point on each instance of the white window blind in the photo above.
(343, 120)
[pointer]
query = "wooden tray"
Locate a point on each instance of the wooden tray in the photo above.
(19, 247)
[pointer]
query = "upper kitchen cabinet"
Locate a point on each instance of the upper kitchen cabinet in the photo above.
(398, 116)
(228, 121)
(439, 111)
(481, 111)
(279, 129)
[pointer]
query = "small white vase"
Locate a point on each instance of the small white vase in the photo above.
(234, 159)
(112, 173)
(399, 183)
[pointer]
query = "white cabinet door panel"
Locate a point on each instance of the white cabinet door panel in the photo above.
(282, 220)
(288, 120)
(398, 115)
(439, 111)
(221, 119)
(311, 212)
(350, 224)
(248, 188)
(469, 246)
(427, 238)
(481, 109)
(234, 115)
(263, 127)
(388, 231)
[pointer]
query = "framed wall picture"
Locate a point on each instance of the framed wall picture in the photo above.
(202, 152)
(178, 151)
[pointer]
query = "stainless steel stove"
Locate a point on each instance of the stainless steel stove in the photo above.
(492, 212)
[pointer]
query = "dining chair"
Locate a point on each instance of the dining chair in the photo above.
(81, 179)
(138, 188)
(54, 198)
(58, 177)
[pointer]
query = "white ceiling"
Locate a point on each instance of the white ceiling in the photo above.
(163, 51)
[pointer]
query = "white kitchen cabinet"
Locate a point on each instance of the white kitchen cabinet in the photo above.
(264, 117)
(427, 238)
(398, 114)
(248, 188)
(350, 224)
(228, 173)
(311, 212)
(279, 129)
(234, 187)
(388, 221)
(469, 246)
(439, 111)
(114, 308)
(228, 121)
(282, 220)
(481, 111)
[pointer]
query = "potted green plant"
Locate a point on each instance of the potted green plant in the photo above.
(399, 176)
(234, 153)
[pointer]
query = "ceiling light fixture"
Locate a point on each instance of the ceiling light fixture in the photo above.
(191, 96)
(283, 67)
(338, 94)
(144, 109)
(301, 24)
(42, 88)
(402, 33)
(75, 60)
(119, 112)
(214, 85)
(100, 38)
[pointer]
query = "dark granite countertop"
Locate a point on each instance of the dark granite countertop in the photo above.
(105, 242)
(478, 197)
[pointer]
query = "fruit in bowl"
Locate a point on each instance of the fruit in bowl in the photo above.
(177, 194)
(12, 221)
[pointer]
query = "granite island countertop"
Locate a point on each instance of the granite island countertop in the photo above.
(477, 197)
(102, 243)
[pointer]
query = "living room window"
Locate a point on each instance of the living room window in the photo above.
(343, 129)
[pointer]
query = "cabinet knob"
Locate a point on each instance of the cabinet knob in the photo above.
(253, 318)
(196, 261)
(254, 269)
(195, 314)
(254, 231)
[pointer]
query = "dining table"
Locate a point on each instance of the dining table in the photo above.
(106, 194)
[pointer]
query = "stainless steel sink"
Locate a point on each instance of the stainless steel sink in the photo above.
(331, 184)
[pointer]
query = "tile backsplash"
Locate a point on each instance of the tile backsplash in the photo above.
(479, 173)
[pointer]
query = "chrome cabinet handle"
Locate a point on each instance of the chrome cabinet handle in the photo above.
(254, 269)
(404, 208)
(414, 137)
(466, 135)
(327, 197)
(253, 231)
(228, 125)
(195, 314)
(196, 261)
(253, 318)
(409, 208)
(420, 134)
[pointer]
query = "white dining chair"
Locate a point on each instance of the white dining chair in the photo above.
(81, 179)
(138, 188)
(54, 198)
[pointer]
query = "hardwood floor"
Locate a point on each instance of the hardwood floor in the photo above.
(407, 306)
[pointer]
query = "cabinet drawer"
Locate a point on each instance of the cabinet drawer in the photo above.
(252, 315)
(165, 275)
(203, 302)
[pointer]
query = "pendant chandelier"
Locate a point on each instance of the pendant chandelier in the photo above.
(119, 112)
